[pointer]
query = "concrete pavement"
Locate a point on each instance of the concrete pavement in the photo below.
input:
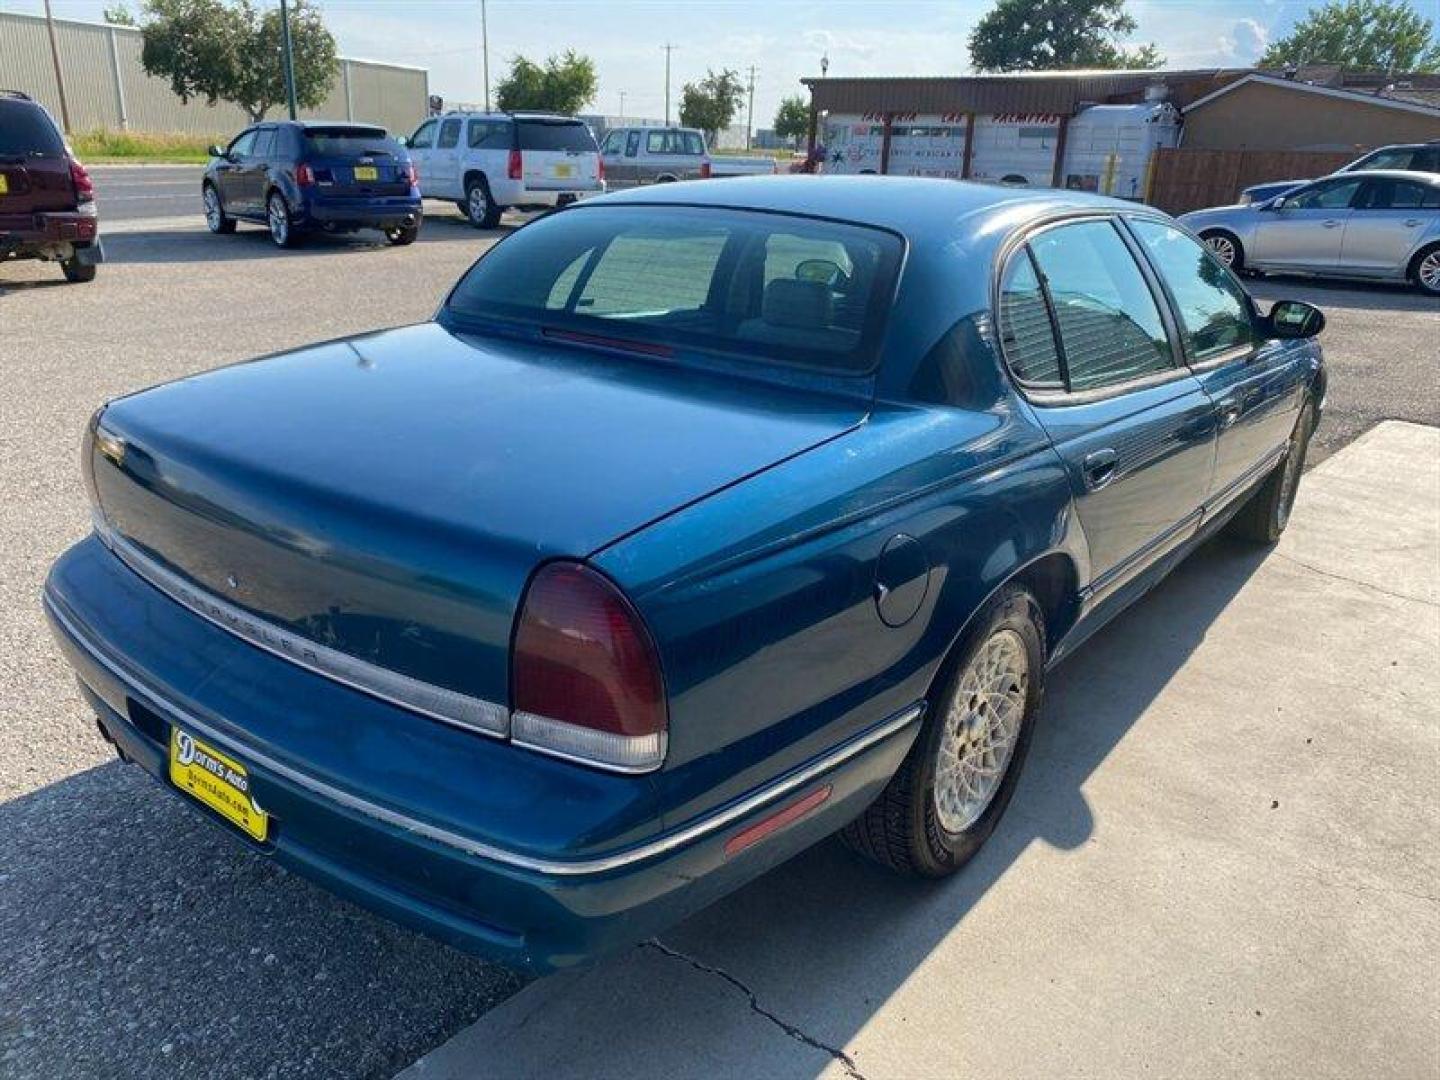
(140, 192)
(1221, 861)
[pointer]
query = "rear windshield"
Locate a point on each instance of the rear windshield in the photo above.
(349, 142)
(549, 135)
(26, 130)
(766, 287)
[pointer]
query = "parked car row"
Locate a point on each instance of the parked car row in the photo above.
(1410, 157)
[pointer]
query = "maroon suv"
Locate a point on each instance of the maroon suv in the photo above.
(47, 200)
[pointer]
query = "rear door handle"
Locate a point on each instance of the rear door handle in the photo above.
(1332, 224)
(1230, 410)
(1410, 223)
(1099, 467)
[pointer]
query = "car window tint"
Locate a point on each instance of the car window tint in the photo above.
(241, 146)
(424, 135)
(1332, 196)
(716, 279)
(1214, 310)
(553, 135)
(449, 135)
(691, 143)
(1427, 161)
(1025, 330)
(613, 142)
(1110, 326)
(632, 144)
(26, 130)
(657, 142)
(1388, 159)
(1432, 197)
(264, 147)
(489, 135)
(1395, 195)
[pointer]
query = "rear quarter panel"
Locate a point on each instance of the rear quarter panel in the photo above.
(762, 599)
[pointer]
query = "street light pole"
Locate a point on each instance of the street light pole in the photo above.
(485, 52)
(289, 59)
(750, 109)
(668, 50)
(622, 104)
(59, 77)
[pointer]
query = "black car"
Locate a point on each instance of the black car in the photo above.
(47, 200)
(298, 177)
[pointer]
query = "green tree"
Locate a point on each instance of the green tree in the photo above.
(224, 51)
(1051, 35)
(1383, 35)
(712, 103)
(792, 119)
(119, 15)
(564, 85)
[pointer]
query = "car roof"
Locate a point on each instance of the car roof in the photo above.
(915, 207)
(1386, 174)
(455, 114)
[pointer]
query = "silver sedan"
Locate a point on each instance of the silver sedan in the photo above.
(1383, 225)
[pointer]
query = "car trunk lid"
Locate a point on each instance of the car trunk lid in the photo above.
(557, 155)
(388, 497)
(355, 161)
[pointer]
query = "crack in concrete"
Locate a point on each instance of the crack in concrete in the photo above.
(1354, 581)
(790, 1029)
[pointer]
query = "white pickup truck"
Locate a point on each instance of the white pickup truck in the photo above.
(659, 155)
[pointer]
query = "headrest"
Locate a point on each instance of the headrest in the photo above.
(803, 304)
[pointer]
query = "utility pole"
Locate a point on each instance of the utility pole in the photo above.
(622, 104)
(750, 109)
(59, 78)
(289, 58)
(668, 50)
(485, 52)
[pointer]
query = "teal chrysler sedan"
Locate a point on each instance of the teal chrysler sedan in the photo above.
(700, 523)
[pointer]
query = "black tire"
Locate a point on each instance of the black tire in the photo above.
(903, 829)
(402, 235)
(1425, 270)
(1266, 513)
(480, 208)
(77, 272)
(282, 227)
(1226, 247)
(216, 220)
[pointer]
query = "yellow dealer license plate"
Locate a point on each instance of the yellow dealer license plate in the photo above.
(366, 172)
(4, 184)
(564, 172)
(217, 780)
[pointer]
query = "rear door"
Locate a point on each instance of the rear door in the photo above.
(1084, 334)
(1256, 384)
(421, 144)
(1307, 231)
(354, 161)
(254, 169)
(229, 176)
(34, 172)
(1389, 218)
(558, 155)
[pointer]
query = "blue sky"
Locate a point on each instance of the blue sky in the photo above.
(784, 39)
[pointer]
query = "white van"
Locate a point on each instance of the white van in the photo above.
(488, 162)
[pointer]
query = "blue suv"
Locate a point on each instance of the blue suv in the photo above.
(313, 176)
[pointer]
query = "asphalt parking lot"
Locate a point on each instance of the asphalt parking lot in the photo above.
(115, 902)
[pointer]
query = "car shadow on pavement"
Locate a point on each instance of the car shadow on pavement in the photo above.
(253, 242)
(1331, 293)
(136, 938)
(836, 963)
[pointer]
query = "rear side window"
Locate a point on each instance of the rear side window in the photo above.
(1110, 326)
(1214, 310)
(349, 141)
(1394, 195)
(1388, 159)
(449, 135)
(763, 287)
(1428, 160)
(488, 135)
(548, 135)
(27, 130)
(1025, 329)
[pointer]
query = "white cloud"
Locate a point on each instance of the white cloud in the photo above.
(1246, 41)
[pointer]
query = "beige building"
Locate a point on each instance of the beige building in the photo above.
(1265, 112)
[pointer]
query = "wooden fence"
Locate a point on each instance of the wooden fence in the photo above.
(1183, 179)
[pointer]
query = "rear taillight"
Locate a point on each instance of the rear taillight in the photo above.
(304, 175)
(84, 186)
(516, 170)
(705, 170)
(585, 676)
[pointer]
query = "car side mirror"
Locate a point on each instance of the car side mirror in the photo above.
(1294, 319)
(1277, 203)
(403, 140)
(215, 151)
